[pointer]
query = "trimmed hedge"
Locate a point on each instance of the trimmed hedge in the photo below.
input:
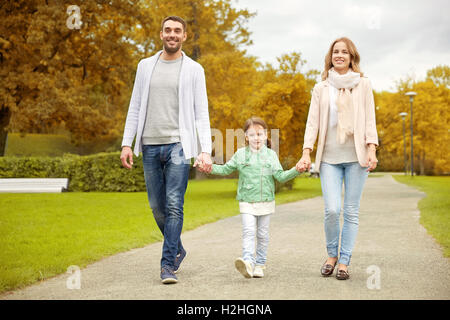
(99, 172)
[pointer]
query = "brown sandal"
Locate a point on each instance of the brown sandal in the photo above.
(327, 269)
(342, 275)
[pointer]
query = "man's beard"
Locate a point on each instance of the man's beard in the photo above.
(169, 49)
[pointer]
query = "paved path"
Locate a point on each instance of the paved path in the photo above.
(390, 238)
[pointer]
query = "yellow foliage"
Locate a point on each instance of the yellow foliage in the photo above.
(82, 78)
(431, 122)
(52, 74)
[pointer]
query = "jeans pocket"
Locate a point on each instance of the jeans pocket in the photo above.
(177, 155)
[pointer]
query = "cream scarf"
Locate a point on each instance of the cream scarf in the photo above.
(343, 103)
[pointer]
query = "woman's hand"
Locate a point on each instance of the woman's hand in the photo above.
(305, 162)
(372, 160)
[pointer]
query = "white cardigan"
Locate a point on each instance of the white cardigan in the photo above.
(193, 107)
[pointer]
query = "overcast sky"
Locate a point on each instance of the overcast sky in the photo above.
(395, 38)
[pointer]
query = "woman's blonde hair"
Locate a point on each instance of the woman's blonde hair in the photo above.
(256, 121)
(354, 57)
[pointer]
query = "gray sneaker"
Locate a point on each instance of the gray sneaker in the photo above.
(168, 276)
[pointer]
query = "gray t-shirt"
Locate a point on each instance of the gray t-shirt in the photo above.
(161, 124)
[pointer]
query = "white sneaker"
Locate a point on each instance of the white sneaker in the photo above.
(244, 267)
(258, 272)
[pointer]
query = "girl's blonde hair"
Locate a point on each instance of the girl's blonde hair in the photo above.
(256, 121)
(354, 57)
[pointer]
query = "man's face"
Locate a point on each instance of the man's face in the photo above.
(172, 36)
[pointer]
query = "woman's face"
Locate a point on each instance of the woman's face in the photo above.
(256, 136)
(340, 57)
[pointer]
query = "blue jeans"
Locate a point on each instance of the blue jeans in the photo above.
(166, 175)
(331, 178)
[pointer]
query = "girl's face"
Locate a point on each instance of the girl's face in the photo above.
(256, 136)
(340, 57)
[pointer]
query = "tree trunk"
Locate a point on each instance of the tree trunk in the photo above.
(196, 50)
(422, 163)
(5, 116)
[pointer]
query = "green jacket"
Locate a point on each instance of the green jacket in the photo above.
(256, 173)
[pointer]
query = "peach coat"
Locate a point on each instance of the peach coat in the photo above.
(365, 130)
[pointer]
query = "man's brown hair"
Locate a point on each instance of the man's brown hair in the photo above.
(174, 18)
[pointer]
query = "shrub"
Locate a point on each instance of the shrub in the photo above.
(99, 172)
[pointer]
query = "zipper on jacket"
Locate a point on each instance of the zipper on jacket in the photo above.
(261, 176)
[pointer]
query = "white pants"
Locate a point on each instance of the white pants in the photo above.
(251, 226)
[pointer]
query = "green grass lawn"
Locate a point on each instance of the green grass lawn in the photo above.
(435, 207)
(42, 234)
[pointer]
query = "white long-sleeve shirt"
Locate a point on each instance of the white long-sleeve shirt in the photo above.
(195, 131)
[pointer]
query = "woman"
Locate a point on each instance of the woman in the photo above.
(342, 112)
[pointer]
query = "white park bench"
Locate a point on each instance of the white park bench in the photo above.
(33, 185)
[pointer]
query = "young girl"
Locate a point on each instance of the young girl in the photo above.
(257, 166)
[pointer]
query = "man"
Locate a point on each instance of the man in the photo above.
(168, 114)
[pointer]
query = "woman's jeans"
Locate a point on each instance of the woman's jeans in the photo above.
(331, 178)
(166, 175)
(251, 226)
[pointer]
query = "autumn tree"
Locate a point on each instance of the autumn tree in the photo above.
(281, 96)
(216, 38)
(440, 76)
(240, 87)
(61, 67)
(213, 26)
(431, 121)
(81, 77)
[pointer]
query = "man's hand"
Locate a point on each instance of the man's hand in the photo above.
(204, 162)
(127, 157)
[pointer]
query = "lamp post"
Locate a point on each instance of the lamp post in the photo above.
(403, 115)
(411, 95)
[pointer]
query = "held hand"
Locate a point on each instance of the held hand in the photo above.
(126, 157)
(198, 164)
(300, 167)
(202, 167)
(207, 162)
(304, 163)
(206, 169)
(203, 163)
(372, 161)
